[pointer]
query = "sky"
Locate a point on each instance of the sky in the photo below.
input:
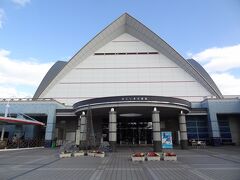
(34, 34)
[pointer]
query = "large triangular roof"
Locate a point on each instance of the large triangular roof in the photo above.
(128, 24)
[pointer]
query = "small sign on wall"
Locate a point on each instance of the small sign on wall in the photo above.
(167, 140)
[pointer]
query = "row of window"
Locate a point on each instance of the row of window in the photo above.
(196, 123)
(195, 129)
(197, 136)
(125, 53)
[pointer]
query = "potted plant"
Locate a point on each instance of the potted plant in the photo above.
(169, 156)
(139, 156)
(153, 156)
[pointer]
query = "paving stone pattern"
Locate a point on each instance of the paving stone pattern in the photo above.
(220, 163)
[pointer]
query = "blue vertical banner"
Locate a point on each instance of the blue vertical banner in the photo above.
(167, 140)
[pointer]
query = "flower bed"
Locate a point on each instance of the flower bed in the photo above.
(153, 156)
(169, 156)
(138, 157)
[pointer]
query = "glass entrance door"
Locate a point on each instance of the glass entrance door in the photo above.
(130, 133)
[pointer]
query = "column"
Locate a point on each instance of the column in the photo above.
(78, 131)
(50, 128)
(113, 129)
(213, 127)
(183, 131)
(83, 129)
(2, 134)
(157, 144)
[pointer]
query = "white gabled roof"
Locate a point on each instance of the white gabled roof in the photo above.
(128, 24)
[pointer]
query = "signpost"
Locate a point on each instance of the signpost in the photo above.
(167, 140)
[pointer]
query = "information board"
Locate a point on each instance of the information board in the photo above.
(167, 140)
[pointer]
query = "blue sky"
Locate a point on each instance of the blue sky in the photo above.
(36, 33)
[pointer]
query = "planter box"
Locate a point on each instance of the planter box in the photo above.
(78, 154)
(65, 155)
(169, 158)
(153, 158)
(91, 154)
(138, 158)
(100, 155)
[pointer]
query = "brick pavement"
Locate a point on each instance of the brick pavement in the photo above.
(211, 163)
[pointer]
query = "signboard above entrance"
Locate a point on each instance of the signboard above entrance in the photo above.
(132, 99)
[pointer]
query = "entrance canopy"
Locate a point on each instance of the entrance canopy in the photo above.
(10, 120)
(133, 101)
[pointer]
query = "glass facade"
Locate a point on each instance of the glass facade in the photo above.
(224, 129)
(197, 128)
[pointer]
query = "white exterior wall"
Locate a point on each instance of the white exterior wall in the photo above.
(116, 75)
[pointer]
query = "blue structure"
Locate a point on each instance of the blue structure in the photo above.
(43, 110)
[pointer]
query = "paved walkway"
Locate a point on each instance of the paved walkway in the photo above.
(210, 163)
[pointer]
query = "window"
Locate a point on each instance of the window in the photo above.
(197, 127)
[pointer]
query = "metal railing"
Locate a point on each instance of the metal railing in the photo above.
(29, 100)
(26, 99)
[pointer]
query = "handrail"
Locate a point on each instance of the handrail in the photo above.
(28, 100)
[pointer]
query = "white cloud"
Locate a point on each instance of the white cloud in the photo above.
(11, 92)
(219, 62)
(20, 73)
(226, 82)
(2, 17)
(21, 2)
(219, 59)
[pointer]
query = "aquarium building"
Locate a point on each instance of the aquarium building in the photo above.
(132, 86)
